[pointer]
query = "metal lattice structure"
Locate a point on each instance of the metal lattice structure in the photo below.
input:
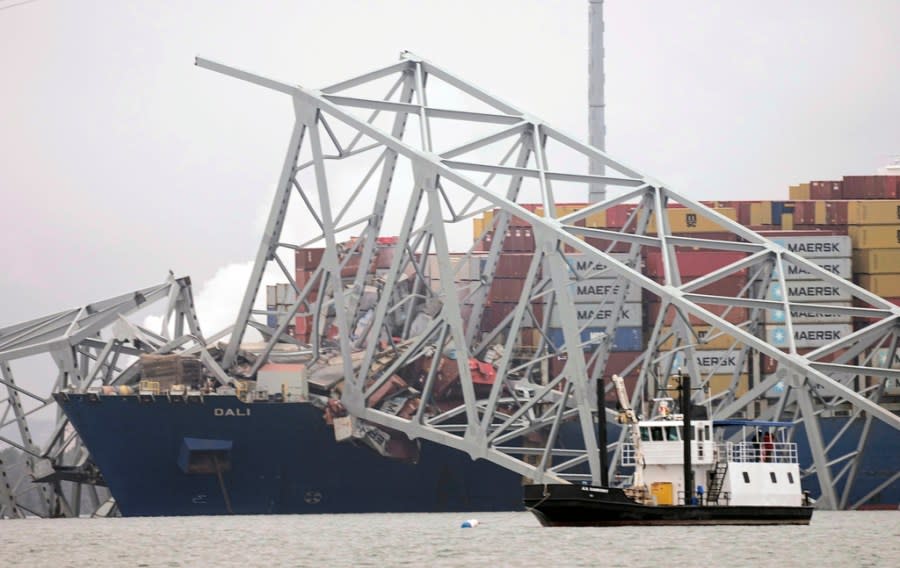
(89, 346)
(380, 146)
(413, 153)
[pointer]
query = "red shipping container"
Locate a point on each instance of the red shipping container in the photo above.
(734, 315)
(495, 313)
(691, 263)
(804, 213)
(506, 290)
(513, 265)
(607, 245)
(728, 286)
(836, 212)
(826, 190)
(617, 215)
(769, 365)
(308, 258)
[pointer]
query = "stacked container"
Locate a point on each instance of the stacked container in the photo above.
(305, 263)
(811, 330)
(712, 354)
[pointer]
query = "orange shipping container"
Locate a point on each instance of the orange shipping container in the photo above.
(873, 212)
(881, 284)
(761, 213)
(875, 236)
(796, 192)
(876, 261)
(683, 220)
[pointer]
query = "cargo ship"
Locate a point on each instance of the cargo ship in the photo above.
(179, 446)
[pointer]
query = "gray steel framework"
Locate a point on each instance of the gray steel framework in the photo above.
(525, 159)
(358, 157)
(89, 346)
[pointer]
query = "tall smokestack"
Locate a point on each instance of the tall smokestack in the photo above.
(596, 102)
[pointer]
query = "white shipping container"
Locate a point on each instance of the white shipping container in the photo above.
(828, 246)
(838, 266)
(809, 291)
(719, 362)
(602, 315)
(583, 265)
(807, 335)
(597, 290)
(800, 316)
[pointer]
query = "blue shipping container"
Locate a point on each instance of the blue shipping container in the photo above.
(625, 338)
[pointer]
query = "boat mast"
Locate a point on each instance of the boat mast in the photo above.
(601, 434)
(685, 384)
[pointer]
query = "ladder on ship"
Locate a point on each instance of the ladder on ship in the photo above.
(716, 480)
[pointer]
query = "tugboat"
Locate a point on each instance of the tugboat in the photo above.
(688, 470)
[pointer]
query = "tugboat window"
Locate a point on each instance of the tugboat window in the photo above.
(657, 433)
(671, 433)
(746, 477)
(645, 434)
(772, 475)
(790, 477)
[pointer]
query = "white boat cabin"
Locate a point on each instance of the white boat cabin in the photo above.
(735, 462)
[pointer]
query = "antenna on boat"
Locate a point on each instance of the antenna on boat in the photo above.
(601, 433)
(685, 386)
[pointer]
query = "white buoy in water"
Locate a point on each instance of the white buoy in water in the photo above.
(470, 524)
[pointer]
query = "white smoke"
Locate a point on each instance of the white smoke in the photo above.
(218, 299)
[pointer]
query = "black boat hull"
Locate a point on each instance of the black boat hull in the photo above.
(564, 505)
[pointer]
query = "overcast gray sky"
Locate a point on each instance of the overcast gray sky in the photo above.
(122, 160)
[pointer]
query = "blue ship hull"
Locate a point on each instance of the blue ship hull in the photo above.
(283, 459)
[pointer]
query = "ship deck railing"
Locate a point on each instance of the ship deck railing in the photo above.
(749, 452)
(735, 452)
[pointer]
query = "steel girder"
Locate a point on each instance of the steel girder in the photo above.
(350, 135)
(89, 346)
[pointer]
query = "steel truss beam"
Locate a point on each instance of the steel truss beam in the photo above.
(500, 424)
(89, 346)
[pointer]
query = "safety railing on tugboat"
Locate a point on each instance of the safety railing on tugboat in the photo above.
(748, 452)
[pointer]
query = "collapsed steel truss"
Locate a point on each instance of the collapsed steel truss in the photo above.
(355, 160)
(524, 159)
(89, 346)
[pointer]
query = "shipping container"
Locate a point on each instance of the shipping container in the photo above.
(731, 285)
(308, 259)
(768, 365)
(583, 266)
(624, 338)
(876, 261)
(826, 190)
(717, 361)
(761, 213)
(707, 338)
(873, 212)
(692, 264)
(815, 246)
(731, 314)
(601, 315)
(506, 290)
(808, 291)
(836, 213)
(688, 221)
(597, 290)
(616, 363)
(875, 236)
(881, 284)
(842, 267)
(807, 335)
(787, 221)
(796, 192)
(871, 187)
(512, 265)
(802, 316)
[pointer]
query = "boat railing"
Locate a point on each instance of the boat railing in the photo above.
(748, 452)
